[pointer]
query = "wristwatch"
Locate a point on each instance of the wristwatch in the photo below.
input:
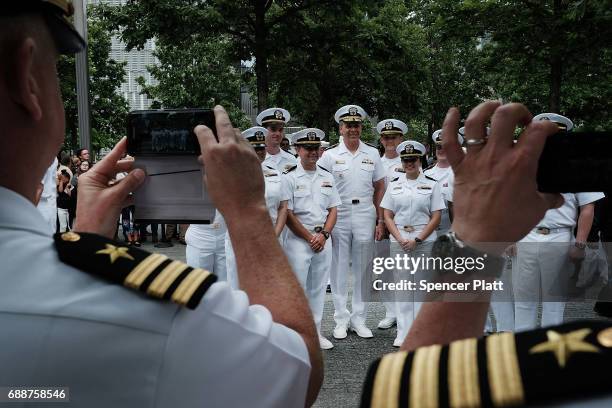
(418, 240)
(451, 246)
(580, 244)
(325, 234)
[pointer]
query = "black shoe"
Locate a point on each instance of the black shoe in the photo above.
(163, 244)
(136, 244)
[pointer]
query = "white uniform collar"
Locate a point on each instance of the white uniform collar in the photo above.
(420, 179)
(299, 171)
(16, 212)
(343, 149)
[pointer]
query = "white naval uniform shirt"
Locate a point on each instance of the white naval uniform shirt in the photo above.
(566, 216)
(413, 201)
(311, 196)
(445, 177)
(393, 168)
(282, 161)
(115, 347)
(354, 173)
(276, 189)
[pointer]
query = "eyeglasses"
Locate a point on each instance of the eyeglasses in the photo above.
(410, 159)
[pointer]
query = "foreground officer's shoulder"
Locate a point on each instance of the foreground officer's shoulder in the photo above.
(556, 363)
(155, 275)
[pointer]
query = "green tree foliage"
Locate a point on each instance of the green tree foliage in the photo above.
(409, 59)
(250, 25)
(196, 76)
(108, 107)
(553, 55)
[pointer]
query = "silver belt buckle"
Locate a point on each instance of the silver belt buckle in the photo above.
(543, 230)
(408, 228)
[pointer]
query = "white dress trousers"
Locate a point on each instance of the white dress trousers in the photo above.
(206, 246)
(353, 235)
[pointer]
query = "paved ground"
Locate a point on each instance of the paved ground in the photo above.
(346, 364)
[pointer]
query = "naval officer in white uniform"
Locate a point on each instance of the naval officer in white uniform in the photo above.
(359, 176)
(391, 132)
(274, 120)
(313, 202)
(545, 255)
(412, 205)
(443, 173)
(121, 327)
(275, 195)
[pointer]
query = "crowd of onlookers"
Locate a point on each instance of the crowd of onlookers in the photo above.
(65, 172)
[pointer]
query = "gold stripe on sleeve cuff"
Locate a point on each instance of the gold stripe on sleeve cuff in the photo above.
(387, 384)
(464, 390)
(504, 373)
(424, 387)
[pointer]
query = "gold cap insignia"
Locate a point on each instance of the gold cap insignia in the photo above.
(311, 135)
(278, 114)
(389, 125)
(352, 111)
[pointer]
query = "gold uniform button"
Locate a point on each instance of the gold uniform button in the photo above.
(70, 236)
(605, 337)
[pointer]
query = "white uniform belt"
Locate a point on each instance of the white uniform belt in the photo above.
(360, 200)
(409, 228)
(546, 230)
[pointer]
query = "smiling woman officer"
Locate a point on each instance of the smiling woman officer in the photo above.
(412, 205)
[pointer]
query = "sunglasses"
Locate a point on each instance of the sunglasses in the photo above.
(410, 159)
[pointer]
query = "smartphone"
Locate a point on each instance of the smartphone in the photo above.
(164, 145)
(574, 162)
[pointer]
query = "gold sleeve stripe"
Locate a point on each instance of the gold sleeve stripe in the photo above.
(387, 384)
(504, 373)
(143, 269)
(166, 277)
(189, 285)
(424, 385)
(464, 390)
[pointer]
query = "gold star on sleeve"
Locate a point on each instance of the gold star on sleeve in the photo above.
(115, 252)
(563, 345)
